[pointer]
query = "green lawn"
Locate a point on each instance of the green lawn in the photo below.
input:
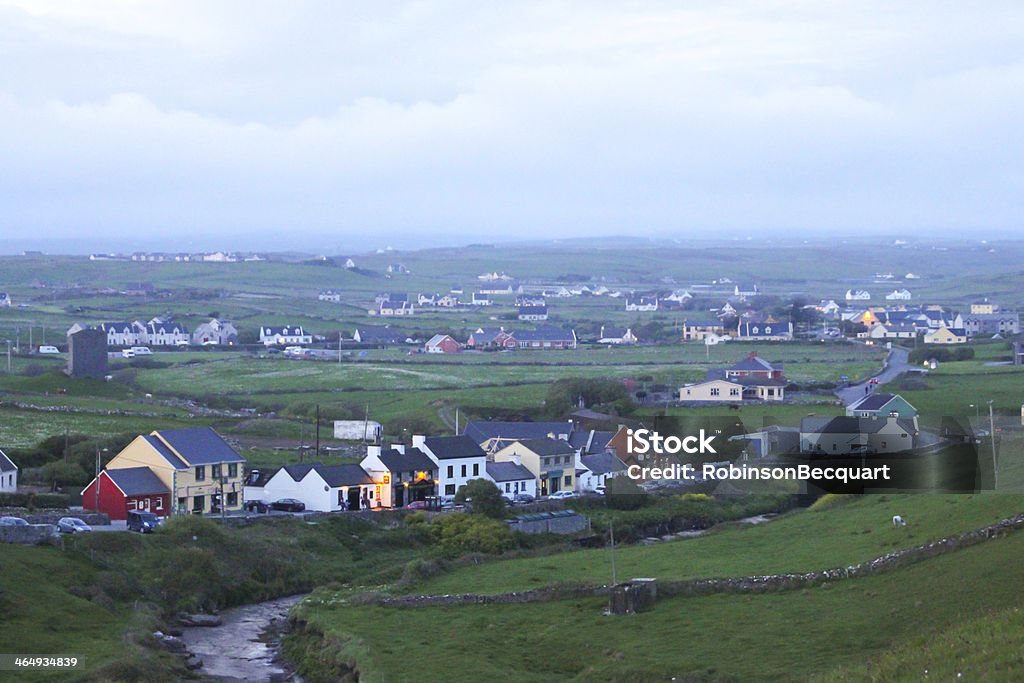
(799, 541)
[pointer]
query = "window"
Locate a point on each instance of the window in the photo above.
(734, 392)
(463, 471)
(508, 487)
(199, 503)
(476, 469)
(159, 504)
(232, 469)
(131, 504)
(215, 471)
(566, 460)
(232, 499)
(449, 490)
(568, 480)
(451, 471)
(715, 391)
(201, 473)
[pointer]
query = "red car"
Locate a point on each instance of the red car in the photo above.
(417, 505)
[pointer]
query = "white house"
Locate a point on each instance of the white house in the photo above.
(535, 313)
(330, 295)
(616, 335)
(271, 336)
(595, 470)
(512, 479)
(322, 488)
(124, 333)
(350, 264)
(8, 474)
(5, 299)
(642, 303)
(898, 295)
(401, 475)
(858, 295)
(458, 458)
(160, 333)
(480, 299)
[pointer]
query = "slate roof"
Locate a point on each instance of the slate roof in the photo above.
(378, 333)
(579, 438)
(200, 446)
(533, 310)
(286, 331)
(137, 481)
(544, 334)
(872, 402)
(753, 363)
(548, 446)
(5, 463)
(335, 476)
(168, 455)
(602, 463)
(449, 447)
(508, 471)
(413, 460)
(481, 431)
(854, 425)
(609, 332)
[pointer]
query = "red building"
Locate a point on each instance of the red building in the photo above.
(123, 490)
(442, 343)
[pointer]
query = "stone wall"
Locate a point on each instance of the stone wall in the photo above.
(34, 534)
(743, 584)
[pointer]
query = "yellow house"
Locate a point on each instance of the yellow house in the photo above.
(946, 335)
(196, 464)
(552, 462)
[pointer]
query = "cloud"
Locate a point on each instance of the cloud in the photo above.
(545, 119)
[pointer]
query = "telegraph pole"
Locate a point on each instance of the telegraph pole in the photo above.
(317, 430)
(992, 438)
(611, 533)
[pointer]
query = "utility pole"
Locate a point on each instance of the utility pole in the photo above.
(8, 356)
(30, 339)
(992, 438)
(611, 533)
(318, 430)
(339, 347)
(456, 420)
(97, 508)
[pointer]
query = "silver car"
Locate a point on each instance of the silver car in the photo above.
(72, 525)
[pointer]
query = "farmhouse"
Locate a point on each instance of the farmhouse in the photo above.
(401, 475)
(459, 459)
(1003, 323)
(530, 300)
(196, 465)
(124, 333)
(8, 474)
(390, 309)
(551, 461)
(490, 338)
(754, 366)
(330, 295)
(857, 295)
(442, 343)
(480, 299)
(898, 295)
(744, 291)
(121, 491)
(712, 390)
(616, 335)
(270, 336)
(641, 303)
(322, 488)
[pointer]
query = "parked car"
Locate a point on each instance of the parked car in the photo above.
(522, 499)
(12, 521)
(417, 505)
(143, 522)
(562, 495)
(48, 350)
(600, 489)
(288, 505)
(72, 525)
(256, 506)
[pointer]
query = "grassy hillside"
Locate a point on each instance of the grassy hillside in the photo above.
(799, 541)
(767, 637)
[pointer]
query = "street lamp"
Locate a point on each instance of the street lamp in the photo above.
(976, 407)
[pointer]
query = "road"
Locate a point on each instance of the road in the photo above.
(897, 365)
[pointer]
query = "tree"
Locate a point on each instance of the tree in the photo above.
(485, 497)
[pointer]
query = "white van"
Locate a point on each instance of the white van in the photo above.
(48, 349)
(142, 351)
(128, 353)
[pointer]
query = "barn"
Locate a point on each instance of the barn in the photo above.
(123, 490)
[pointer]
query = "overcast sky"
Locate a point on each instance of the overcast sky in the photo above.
(204, 121)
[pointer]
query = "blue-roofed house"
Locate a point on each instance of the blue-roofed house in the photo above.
(493, 435)
(196, 465)
(117, 492)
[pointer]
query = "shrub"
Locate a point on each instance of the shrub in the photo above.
(468, 533)
(485, 497)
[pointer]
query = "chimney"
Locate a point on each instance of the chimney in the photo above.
(417, 440)
(400, 447)
(373, 451)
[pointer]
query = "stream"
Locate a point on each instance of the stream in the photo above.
(238, 650)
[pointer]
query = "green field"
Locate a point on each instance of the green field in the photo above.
(767, 637)
(798, 541)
